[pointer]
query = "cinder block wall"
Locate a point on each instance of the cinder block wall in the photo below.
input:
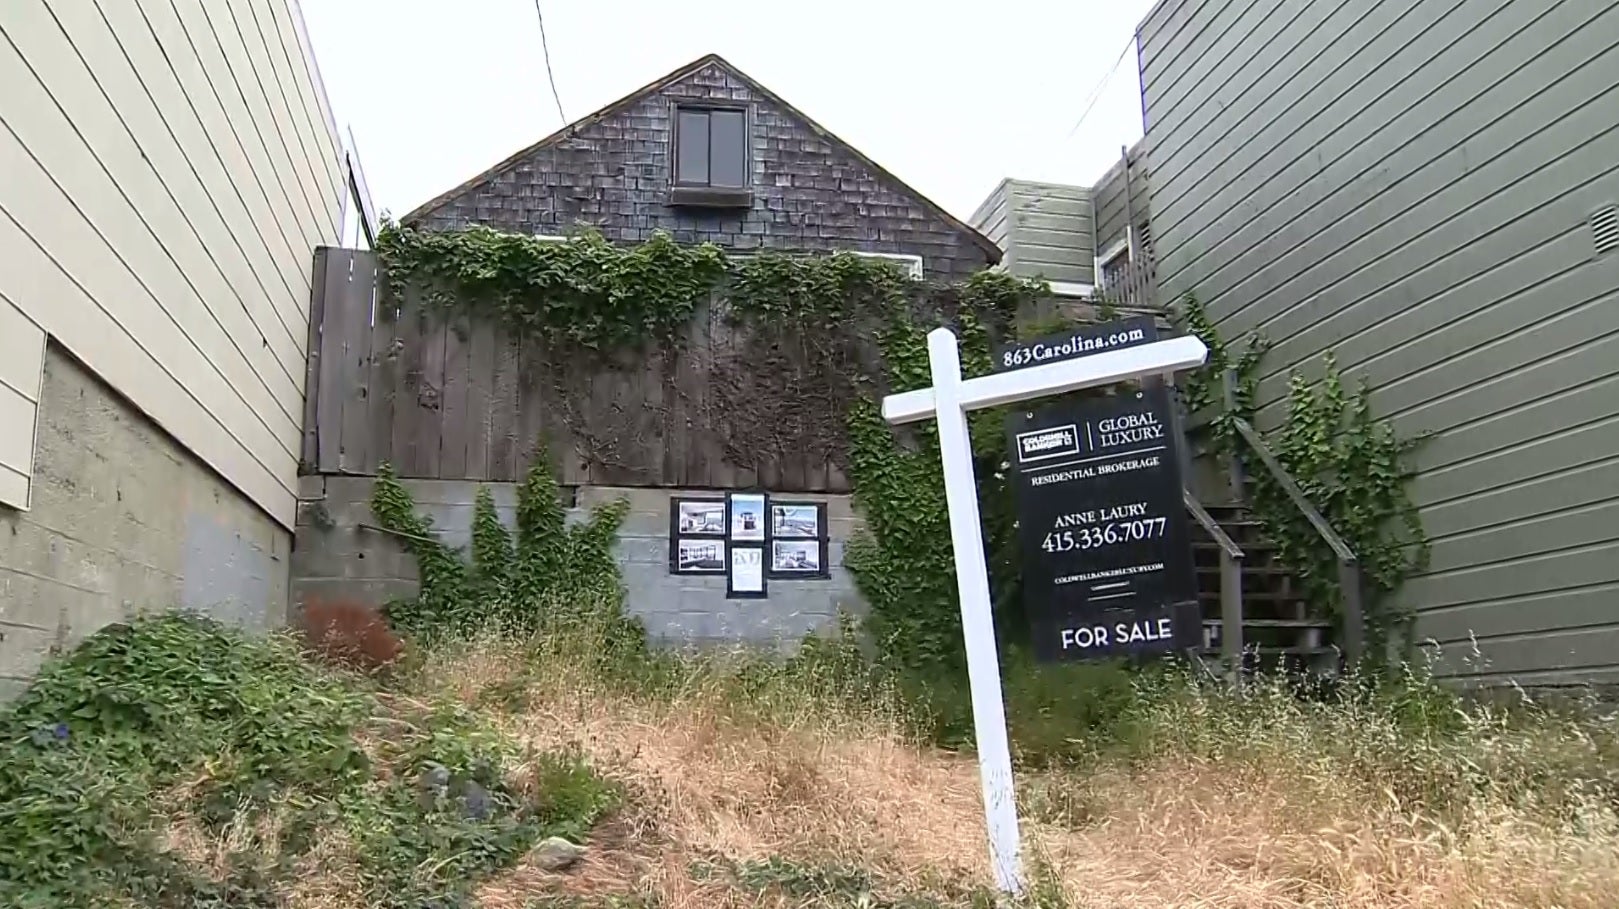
(123, 520)
(339, 553)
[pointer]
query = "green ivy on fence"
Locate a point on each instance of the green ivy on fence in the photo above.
(839, 328)
(550, 571)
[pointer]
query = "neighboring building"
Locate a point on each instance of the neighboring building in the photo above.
(1122, 218)
(166, 172)
(1088, 242)
(708, 154)
(1430, 191)
(1044, 230)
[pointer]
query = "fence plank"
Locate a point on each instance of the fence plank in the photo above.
(531, 414)
(333, 372)
(504, 412)
(407, 406)
(309, 459)
(697, 469)
(355, 454)
(482, 360)
(383, 382)
(456, 423)
(430, 402)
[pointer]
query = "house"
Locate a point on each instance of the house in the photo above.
(1430, 192)
(1086, 241)
(1045, 230)
(708, 154)
(166, 172)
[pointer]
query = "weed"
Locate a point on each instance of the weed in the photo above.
(176, 762)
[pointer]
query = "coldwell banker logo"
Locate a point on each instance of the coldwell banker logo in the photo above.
(1057, 442)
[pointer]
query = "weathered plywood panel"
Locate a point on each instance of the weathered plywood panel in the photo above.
(1407, 186)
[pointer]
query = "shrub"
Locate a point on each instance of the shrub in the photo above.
(178, 730)
(348, 633)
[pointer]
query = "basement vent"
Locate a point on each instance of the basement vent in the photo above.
(1605, 229)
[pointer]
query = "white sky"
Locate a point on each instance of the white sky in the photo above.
(949, 97)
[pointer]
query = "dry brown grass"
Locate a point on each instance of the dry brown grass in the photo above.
(1281, 820)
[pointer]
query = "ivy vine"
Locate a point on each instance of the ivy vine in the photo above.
(1348, 462)
(785, 344)
(551, 570)
(813, 342)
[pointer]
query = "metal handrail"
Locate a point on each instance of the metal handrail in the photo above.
(1349, 576)
(1231, 642)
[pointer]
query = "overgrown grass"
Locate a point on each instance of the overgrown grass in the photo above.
(201, 768)
(176, 763)
(816, 782)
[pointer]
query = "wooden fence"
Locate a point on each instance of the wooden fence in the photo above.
(724, 408)
(469, 402)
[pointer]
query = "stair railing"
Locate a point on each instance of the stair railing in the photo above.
(1349, 575)
(1230, 584)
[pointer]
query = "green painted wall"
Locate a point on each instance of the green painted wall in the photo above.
(1413, 185)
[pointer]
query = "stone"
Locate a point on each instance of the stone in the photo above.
(557, 854)
(476, 803)
(432, 783)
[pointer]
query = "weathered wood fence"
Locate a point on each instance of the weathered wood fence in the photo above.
(724, 408)
(469, 402)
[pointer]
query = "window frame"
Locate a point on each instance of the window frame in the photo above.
(1120, 249)
(708, 194)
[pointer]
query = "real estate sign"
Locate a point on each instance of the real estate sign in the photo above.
(1107, 565)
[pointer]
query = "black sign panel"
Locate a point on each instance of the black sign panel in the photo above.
(1081, 342)
(1103, 527)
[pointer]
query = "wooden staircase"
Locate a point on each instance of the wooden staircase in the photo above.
(1280, 630)
(1243, 585)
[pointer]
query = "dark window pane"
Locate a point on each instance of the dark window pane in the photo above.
(691, 157)
(729, 148)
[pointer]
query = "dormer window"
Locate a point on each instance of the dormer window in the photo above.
(711, 156)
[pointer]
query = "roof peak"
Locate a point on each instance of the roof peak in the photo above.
(992, 251)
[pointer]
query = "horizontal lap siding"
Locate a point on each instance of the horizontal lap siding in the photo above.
(169, 169)
(1114, 202)
(22, 356)
(990, 218)
(1051, 232)
(1408, 186)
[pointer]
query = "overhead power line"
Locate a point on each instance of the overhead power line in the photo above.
(546, 50)
(1101, 86)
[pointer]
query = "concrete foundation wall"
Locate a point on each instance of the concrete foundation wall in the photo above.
(336, 555)
(123, 520)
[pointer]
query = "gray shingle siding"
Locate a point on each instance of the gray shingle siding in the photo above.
(810, 193)
(1410, 186)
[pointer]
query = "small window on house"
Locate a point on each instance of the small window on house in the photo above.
(711, 148)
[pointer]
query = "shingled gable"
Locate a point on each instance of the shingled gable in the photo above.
(611, 169)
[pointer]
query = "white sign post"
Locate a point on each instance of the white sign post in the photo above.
(948, 401)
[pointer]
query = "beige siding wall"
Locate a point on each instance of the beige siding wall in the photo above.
(22, 352)
(166, 171)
